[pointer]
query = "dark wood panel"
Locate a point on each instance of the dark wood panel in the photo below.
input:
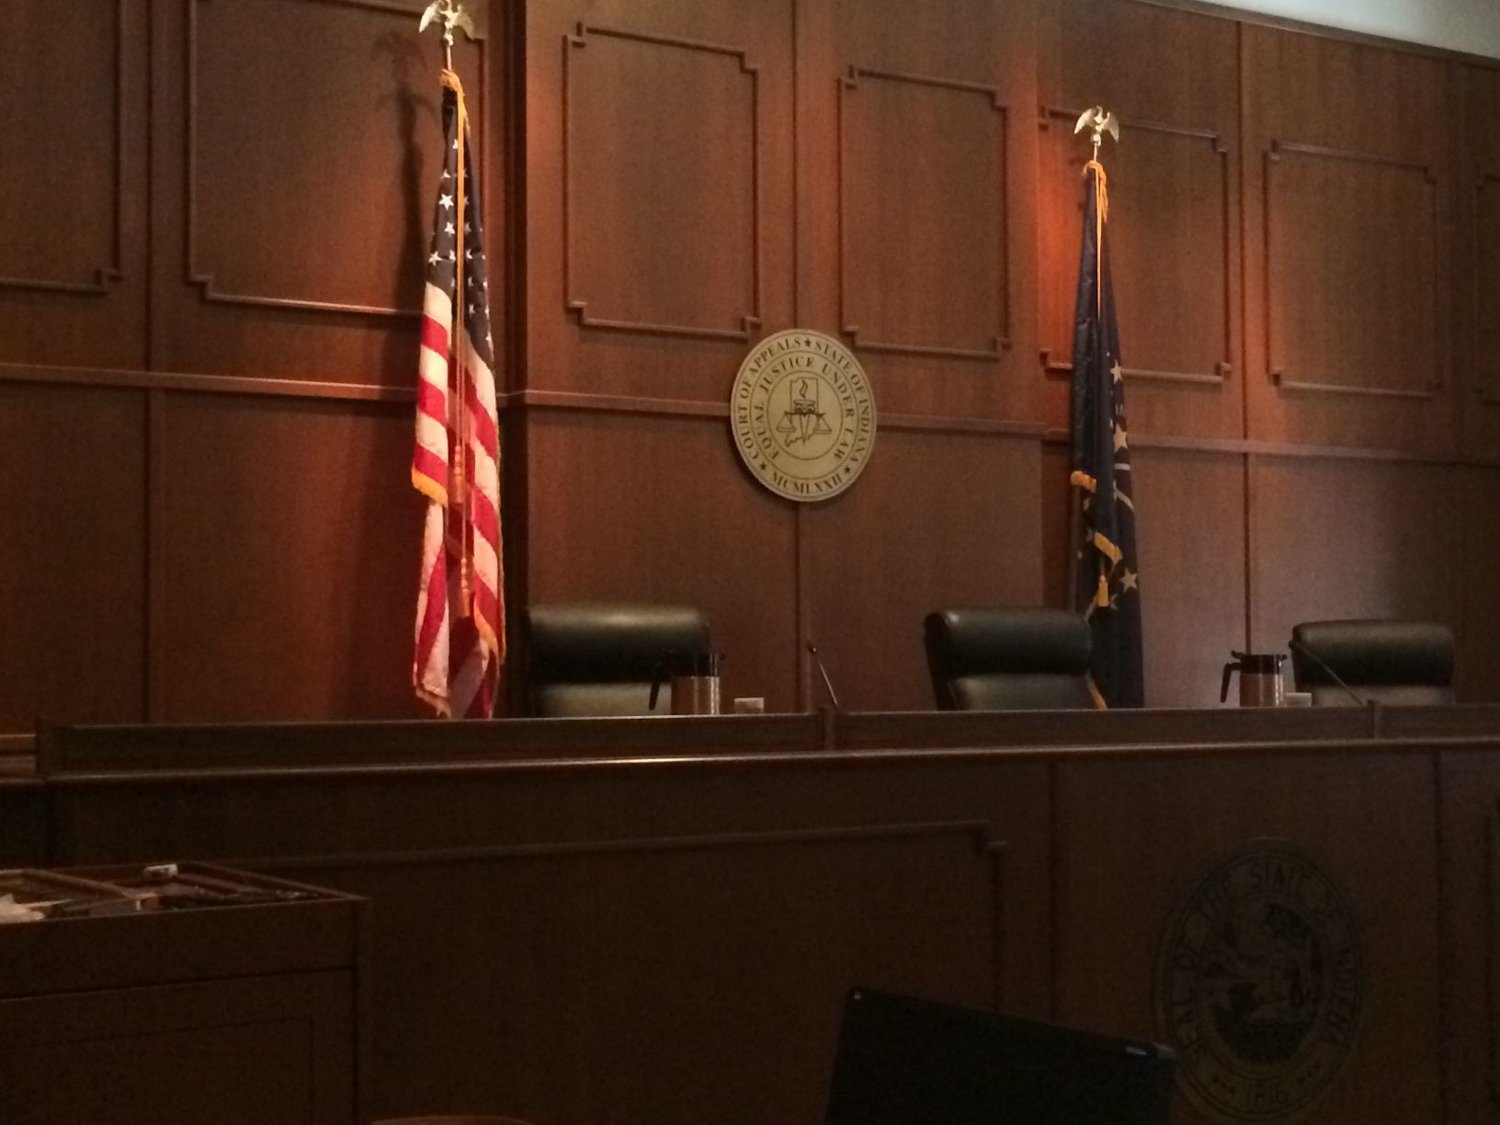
(800, 916)
(1350, 313)
(297, 149)
(1173, 179)
(1334, 539)
(661, 891)
(913, 196)
(658, 226)
(711, 915)
(73, 199)
(1478, 594)
(286, 538)
(1190, 535)
(23, 823)
(692, 269)
(1123, 876)
(923, 198)
(73, 556)
(240, 1052)
(1468, 833)
(1476, 241)
(935, 522)
(658, 509)
(1349, 340)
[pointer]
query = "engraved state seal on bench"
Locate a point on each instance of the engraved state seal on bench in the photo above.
(1260, 984)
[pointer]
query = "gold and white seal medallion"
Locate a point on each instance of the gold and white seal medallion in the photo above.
(803, 415)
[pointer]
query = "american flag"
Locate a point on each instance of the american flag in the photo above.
(460, 634)
(1107, 586)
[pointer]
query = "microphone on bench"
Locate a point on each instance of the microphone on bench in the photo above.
(833, 696)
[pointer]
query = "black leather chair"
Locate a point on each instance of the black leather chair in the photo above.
(1399, 662)
(1009, 659)
(600, 658)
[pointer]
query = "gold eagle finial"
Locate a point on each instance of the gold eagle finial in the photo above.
(452, 13)
(1101, 121)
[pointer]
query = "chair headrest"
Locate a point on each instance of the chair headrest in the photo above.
(969, 642)
(1374, 652)
(601, 642)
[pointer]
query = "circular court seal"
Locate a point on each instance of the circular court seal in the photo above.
(1260, 984)
(802, 415)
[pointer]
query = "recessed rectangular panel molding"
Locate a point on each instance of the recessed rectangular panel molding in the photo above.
(1485, 284)
(313, 140)
(923, 224)
(661, 185)
(1351, 285)
(62, 216)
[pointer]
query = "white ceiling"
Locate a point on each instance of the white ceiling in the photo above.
(1471, 26)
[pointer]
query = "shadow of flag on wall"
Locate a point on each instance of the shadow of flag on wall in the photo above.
(1107, 587)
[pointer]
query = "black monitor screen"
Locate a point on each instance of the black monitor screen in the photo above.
(904, 1061)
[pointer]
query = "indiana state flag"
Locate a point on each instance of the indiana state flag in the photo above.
(1107, 587)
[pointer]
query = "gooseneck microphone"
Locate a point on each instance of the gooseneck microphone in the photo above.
(833, 696)
(1297, 646)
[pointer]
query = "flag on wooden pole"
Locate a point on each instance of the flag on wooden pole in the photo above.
(460, 630)
(1107, 587)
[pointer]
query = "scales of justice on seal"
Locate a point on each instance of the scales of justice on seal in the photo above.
(803, 415)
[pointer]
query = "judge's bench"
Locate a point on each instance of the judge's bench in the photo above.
(656, 920)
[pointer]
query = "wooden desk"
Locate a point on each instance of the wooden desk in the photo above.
(654, 920)
(234, 1015)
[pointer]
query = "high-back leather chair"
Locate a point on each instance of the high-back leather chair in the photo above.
(600, 658)
(1399, 662)
(1009, 659)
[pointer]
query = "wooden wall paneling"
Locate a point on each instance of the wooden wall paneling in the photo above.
(73, 198)
(648, 508)
(1123, 876)
(184, 1052)
(709, 916)
(658, 226)
(1469, 834)
(297, 146)
(1476, 272)
(938, 520)
(1335, 538)
(73, 558)
(1477, 619)
(1190, 539)
(1347, 212)
(288, 545)
(1172, 77)
(923, 211)
(1058, 519)
(23, 823)
(914, 197)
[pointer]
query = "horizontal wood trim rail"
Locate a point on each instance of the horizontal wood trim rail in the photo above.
(1055, 436)
(125, 379)
(981, 831)
(166, 754)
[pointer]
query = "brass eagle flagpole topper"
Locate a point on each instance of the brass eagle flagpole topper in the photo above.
(452, 13)
(1101, 121)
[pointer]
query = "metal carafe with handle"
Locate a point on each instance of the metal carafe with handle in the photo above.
(1260, 679)
(694, 679)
